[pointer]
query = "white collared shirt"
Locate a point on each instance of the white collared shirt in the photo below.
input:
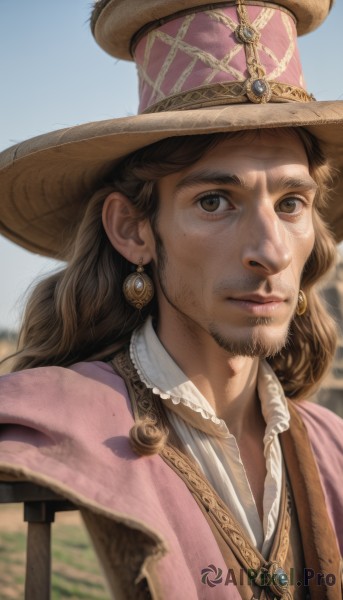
(208, 439)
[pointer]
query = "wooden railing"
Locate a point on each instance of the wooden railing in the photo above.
(40, 506)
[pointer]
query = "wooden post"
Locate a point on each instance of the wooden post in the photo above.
(39, 516)
(38, 562)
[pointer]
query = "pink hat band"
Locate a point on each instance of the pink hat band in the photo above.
(224, 55)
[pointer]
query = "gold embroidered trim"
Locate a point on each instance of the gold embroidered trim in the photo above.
(233, 92)
(197, 484)
(145, 404)
(143, 401)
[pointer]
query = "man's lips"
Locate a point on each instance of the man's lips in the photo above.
(258, 298)
(257, 304)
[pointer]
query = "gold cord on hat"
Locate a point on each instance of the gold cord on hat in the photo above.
(302, 304)
(138, 288)
(258, 88)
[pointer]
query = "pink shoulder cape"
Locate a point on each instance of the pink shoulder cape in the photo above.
(68, 429)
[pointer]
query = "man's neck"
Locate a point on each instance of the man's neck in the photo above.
(228, 383)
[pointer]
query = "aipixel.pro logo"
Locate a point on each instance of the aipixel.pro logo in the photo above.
(211, 575)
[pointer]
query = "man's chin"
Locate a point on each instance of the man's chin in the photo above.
(258, 344)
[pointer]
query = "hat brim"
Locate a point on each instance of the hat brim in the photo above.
(46, 182)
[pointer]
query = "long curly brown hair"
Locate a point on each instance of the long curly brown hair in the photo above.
(80, 314)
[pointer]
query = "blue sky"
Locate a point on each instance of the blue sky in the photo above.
(53, 75)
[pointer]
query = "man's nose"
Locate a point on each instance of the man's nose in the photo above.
(266, 246)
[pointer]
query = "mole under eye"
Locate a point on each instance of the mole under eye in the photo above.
(213, 203)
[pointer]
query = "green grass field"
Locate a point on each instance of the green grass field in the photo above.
(75, 570)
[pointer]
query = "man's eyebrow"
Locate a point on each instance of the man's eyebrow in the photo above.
(211, 177)
(297, 183)
(220, 178)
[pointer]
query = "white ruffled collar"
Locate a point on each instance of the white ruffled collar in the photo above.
(162, 375)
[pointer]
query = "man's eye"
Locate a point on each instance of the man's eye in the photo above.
(213, 203)
(290, 205)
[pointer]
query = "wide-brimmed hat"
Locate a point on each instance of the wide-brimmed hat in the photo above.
(203, 68)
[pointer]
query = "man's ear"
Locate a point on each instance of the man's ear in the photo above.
(130, 236)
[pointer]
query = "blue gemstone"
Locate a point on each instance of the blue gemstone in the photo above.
(281, 577)
(248, 33)
(259, 87)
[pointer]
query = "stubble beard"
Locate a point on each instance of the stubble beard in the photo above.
(255, 346)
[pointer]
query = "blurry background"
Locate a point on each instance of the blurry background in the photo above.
(53, 75)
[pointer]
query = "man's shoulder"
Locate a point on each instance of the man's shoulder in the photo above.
(60, 378)
(325, 431)
(57, 394)
(320, 420)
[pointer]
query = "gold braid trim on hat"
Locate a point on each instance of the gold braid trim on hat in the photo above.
(234, 92)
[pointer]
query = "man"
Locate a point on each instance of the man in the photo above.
(154, 397)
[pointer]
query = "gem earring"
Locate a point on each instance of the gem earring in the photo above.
(138, 288)
(302, 304)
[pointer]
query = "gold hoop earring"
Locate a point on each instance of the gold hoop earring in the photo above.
(302, 304)
(138, 288)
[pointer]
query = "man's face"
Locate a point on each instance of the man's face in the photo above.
(235, 230)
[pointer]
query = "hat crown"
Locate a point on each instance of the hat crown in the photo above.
(220, 55)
